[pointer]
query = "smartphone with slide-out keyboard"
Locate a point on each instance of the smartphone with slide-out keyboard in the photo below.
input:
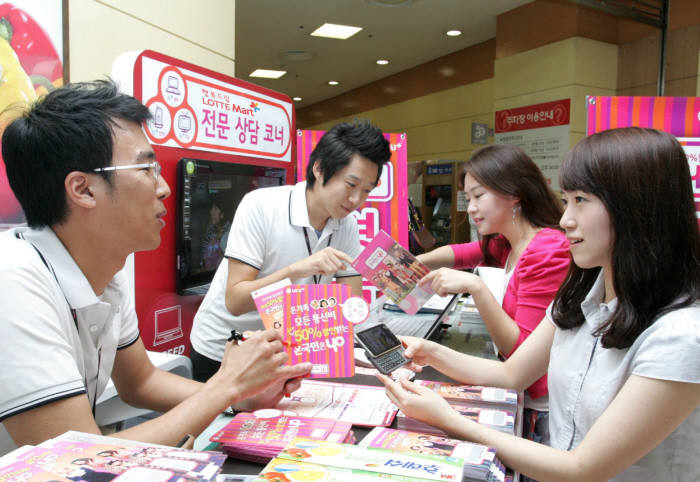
(383, 348)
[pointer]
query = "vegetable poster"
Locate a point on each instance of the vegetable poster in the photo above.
(31, 65)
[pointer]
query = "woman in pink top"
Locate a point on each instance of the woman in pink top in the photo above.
(517, 217)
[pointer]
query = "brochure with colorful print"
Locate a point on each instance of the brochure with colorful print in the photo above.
(261, 435)
(394, 270)
(471, 395)
(502, 420)
(88, 457)
(308, 459)
(269, 302)
(478, 459)
(315, 329)
(357, 404)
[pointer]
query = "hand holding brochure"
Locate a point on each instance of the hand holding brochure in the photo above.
(474, 395)
(394, 270)
(357, 404)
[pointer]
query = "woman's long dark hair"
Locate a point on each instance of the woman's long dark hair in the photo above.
(509, 171)
(642, 178)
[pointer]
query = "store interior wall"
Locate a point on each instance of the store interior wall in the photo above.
(101, 30)
(544, 51)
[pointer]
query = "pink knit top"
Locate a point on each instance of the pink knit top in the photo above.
(536, 278)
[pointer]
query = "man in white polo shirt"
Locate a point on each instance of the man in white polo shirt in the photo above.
(90, 187)
(301, 232)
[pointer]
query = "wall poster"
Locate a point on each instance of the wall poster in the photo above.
(33, 40)
(541, 130)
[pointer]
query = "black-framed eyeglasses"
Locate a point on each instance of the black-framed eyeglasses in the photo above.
(153, 166)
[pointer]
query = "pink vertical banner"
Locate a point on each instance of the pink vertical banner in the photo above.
(387, 205)
(679, 116)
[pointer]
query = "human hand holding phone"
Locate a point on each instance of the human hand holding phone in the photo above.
(384, 350)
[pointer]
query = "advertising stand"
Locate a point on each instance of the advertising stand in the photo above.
(385, 208)
(201, 120)
(679, 116)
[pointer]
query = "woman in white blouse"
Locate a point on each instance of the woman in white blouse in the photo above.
(621, 341)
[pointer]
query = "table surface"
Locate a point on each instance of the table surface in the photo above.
(470, 337)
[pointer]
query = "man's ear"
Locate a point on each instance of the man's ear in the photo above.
(317, 170)
(80, 190)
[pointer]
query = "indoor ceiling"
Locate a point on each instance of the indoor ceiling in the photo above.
(274, 34)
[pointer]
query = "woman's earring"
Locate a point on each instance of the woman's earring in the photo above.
(516, 208)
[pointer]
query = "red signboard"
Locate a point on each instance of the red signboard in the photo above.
(197, 114)
(547, 114)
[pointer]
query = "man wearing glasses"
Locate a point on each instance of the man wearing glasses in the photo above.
(90, 187)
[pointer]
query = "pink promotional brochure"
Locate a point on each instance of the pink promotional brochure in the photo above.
(394, 270)
(268, 301)
(315, 329)
(261, 435)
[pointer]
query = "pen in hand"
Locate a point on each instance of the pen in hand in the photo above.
(236, 336)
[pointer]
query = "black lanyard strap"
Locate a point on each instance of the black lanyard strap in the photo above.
(317, 278)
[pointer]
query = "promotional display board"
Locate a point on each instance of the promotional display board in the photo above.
(541, 130)
(202, 115)
(386, 206)
(31, 64)
(679, 116)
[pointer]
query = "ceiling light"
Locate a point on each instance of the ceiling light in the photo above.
(296, 99)
(268, 74)
(333, 82)
(382, 61)
(453, 33)
(331, 30)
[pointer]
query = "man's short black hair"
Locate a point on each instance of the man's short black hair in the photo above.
(337, 146)
(70, 129)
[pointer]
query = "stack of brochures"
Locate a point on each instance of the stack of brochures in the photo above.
(491, 406)
(80, 456)
(259, 437)
(356, 404)
(474, 395)
(308, 459)
(498, 419)
(480, 462)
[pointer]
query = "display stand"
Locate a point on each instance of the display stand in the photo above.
(440, 206)
(197, 114)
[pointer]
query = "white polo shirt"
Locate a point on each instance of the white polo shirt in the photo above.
(584, 378)
(48, 354)
(268, 234)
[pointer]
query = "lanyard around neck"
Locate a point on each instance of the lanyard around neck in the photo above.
(317, 278)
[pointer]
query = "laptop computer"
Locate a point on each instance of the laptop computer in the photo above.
(420, 325)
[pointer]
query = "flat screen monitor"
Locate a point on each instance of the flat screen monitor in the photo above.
(208, 195)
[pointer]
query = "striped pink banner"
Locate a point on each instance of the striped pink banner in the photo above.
(387, 206)
(679, 116)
